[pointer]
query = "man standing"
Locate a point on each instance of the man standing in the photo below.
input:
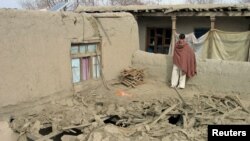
(184, 63)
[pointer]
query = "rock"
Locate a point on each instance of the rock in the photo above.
(191, 123)
(53, 102)
(22, 138)
(6, 133)
(121, 111)
(141, 128)
(166, 138)
(112, 129)
(70, 102)
(98, 109)
(147, 127)
(62, 102)
(94, 124)
(81, 137)
(248, 120)
(97, 136)
(36, 127)
(111, 109)
(145, 137)
(75, 102)
(68, 138)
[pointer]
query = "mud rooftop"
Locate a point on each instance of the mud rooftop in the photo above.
(49, 93)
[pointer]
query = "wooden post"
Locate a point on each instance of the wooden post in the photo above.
(173, 33)
(212, 19)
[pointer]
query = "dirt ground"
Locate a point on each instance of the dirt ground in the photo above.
(151, 111)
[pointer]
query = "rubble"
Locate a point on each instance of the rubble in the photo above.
(96, 118)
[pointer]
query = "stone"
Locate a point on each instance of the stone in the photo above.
(70, 102)
(81, 137)
(112, 129)
(36, 127)
(68, 138)
(111, 109)
(6, 133)
(97, 136)
(166, 138)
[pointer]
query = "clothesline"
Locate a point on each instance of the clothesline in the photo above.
(216, 44)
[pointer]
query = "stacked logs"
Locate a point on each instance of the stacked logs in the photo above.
(132, 77)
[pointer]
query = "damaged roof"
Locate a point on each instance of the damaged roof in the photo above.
(166, 8)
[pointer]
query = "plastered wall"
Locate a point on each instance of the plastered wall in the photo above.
(35, 51)
(212, 75)
(120, 41)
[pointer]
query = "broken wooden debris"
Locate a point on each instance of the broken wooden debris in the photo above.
(132, 77)
(181, 98)
(164, 113)
(151, 118)
(238, 101)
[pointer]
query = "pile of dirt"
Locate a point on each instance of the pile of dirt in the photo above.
(100, 115)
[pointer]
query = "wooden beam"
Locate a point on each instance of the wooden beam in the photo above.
(202, 14)
(173, 33)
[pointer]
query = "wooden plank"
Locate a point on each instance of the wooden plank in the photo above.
(78, 126)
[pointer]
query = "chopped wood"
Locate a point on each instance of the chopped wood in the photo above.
(132, 77)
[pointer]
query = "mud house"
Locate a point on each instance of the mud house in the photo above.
(157, 24)
(219, 35)
(56, 53)
(47, 54)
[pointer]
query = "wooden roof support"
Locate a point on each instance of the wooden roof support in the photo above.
(173, 33)
(212, 19)
(202, 14)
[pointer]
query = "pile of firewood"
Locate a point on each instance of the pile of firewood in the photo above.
(132, 77)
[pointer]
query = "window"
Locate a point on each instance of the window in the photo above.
(158, 40)
(198, 32)
(85, 62)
